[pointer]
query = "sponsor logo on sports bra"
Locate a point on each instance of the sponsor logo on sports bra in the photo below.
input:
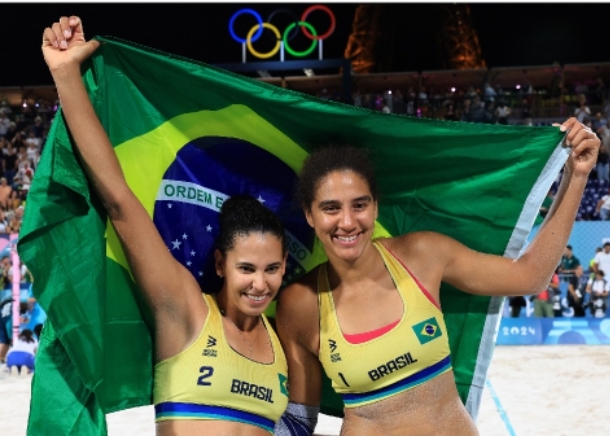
(209, 350)
(241, 387)
(391, 366)
(334, 357)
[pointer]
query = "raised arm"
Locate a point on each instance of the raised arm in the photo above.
(298, 323)
(483, 274)
(599, 205)
(170, 291)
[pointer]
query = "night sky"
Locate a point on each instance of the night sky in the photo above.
(511, 34)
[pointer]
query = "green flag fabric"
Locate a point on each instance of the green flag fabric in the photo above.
(188, 136)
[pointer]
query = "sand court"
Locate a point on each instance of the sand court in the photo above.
(560, 390)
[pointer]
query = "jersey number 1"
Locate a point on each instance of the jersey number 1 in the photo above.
(344, 381)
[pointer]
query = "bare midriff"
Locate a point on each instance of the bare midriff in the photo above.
(432, 409)
(179, 427)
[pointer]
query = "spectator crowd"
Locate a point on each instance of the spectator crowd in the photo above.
(22, 136)
(586, 287)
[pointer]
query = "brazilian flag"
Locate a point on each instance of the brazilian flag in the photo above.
(427, 330)
(188, 136)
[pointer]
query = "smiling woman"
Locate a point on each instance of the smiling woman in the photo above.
(236, 385)
(340, 190)
(237, 340)
(247, 255)
(370, 317)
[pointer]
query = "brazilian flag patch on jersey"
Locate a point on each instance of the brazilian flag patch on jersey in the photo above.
(283, 382)
(427, 330)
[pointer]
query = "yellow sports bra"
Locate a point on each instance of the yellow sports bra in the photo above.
(210, 380)
(414, 351)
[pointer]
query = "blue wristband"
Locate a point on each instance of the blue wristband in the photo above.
(297, 420)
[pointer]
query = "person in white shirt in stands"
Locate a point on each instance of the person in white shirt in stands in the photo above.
(603, 207)
(601, 261)
(502, 112)
(33, 140)
(598, 288)
(23, 352)
(582, 112)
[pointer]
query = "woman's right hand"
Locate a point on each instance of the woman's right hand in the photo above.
(64, 44)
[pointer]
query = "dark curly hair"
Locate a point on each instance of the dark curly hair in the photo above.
(324, 161)
(242, 215)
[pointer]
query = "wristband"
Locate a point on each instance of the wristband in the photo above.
(297, 420)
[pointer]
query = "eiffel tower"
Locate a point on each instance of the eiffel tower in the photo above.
(362, 42)
(460, 38)
(457, 42)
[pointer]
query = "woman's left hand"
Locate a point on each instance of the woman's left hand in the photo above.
(585, 147)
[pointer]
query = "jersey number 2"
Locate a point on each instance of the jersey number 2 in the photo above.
(207, 372)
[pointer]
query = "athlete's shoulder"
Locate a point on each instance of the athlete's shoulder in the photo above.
(301, 290)
(415, 243)
(299, 300)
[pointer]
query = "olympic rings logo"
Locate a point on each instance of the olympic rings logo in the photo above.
(257, 30)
